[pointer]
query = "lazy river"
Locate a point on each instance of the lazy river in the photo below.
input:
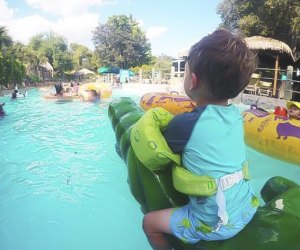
(63, 186)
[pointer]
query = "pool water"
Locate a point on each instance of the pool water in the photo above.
(63, 186)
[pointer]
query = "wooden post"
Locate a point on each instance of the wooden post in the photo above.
(275, 76)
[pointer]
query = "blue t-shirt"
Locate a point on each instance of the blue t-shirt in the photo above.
(211, 142)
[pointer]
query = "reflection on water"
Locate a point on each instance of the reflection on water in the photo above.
(63, 186)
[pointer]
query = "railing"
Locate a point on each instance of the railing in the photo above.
(284, 89)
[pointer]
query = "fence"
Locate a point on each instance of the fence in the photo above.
(153, 76)
(272, 83)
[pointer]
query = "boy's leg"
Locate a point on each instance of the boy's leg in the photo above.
(156, 226)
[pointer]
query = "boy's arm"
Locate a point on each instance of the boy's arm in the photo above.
(179, 130)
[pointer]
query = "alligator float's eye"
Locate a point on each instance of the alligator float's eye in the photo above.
(155, 118)
(152, 145)
(137, 136)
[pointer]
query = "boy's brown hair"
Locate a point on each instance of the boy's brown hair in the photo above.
(223, 62)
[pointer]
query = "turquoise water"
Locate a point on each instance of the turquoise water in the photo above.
(63, 186)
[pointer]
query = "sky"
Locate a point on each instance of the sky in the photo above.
(171, 26)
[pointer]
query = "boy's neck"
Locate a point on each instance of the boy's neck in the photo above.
(207, 101)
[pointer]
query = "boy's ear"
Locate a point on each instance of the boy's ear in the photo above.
(195, 82)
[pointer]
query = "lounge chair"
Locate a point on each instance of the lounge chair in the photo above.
(253, 86)
(264, 88)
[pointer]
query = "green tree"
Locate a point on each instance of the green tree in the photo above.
(32, 62)
(94, 61)
(278, 19)
(11, 68)
(5, 39)
(53, 49)
(18, 69)
(163, 62)
(81, 56)
(5, 42)
(121, 43)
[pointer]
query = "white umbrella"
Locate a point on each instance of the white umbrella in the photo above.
(85, 71)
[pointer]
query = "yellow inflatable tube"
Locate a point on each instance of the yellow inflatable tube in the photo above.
(174, 103)
(103, 90)
(273, 135)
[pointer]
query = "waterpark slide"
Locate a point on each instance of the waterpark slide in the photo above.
(274, 227)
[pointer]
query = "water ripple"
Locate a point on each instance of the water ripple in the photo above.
(53, 148)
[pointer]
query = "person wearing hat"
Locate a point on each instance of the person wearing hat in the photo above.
(293, 109)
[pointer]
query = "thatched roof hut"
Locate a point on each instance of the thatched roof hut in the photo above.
(271, 47)
(271, 52)
(265, 46)
(46, 71)
(47, 66)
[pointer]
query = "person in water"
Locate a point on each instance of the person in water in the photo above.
(14, 95)
(293, 110)
(93, 95)
(210, 140)
(58, 88)
(76, 88)
(2, 112)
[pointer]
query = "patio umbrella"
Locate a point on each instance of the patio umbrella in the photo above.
(102, 70)
(108, 70)
(272, 47)
(85, 71)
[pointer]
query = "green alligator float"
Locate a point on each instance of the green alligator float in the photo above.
(275, 226)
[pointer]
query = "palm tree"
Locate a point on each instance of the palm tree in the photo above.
(5, 39)
(5, 42)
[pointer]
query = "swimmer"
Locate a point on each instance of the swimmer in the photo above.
(58, 89)
(293, 110)
(16, 94)
(90, 95)
(2, 112)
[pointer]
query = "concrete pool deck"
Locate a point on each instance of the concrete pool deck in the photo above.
(260, 101)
